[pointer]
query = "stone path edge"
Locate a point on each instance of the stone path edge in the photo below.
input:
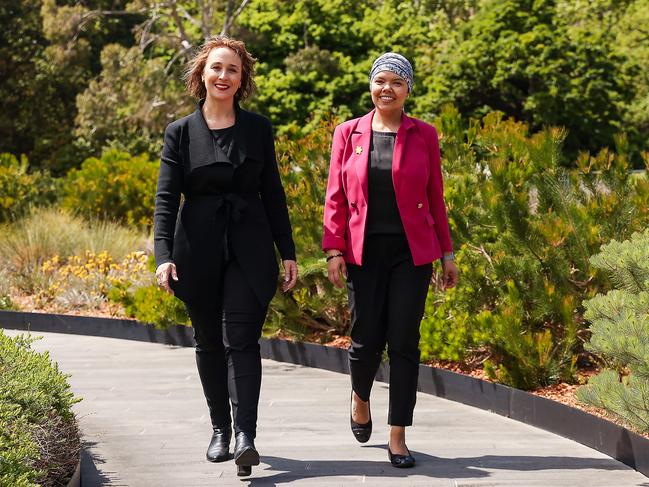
(587, 429)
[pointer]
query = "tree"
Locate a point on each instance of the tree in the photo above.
(43, 70)
(520, 57)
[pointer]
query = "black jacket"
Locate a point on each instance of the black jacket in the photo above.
(233, 207)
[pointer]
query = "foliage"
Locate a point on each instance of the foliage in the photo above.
(525, 227)
(523, 59)
(45, 64)
(112, 68)
(39, 440)
(310, 306)
(117, 187)
(20, 189)
(128, 106)
(27, 243)
(633, 40)
(150, 304)
(620, 327)
(84, 281)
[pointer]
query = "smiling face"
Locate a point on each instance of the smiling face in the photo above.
(222, 73)
(389, 91)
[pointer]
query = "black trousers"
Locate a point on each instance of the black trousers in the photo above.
(387, 297)
(227, 333)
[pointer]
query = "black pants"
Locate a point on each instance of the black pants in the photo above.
(227, 335)
(387, 297)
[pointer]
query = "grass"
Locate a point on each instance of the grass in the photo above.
(25, 244)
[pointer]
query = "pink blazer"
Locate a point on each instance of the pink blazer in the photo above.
(417, 179)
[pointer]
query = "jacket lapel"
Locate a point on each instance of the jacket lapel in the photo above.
(399, 146)
(361, 136)
(201, 143)
(203, 150)
(248, 138)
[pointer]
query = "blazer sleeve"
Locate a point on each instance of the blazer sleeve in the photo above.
(336, 206)
(167, 197)
(274, 199)
(436, 195)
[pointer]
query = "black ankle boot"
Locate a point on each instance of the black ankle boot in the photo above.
(219, 448)
(245, 454)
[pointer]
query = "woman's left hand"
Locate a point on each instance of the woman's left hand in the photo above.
(290, 274)
(451, 274)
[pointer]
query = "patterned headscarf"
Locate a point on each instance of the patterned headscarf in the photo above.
(395, 63)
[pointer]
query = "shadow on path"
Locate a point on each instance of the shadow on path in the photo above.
(290, 470)
(91, 472)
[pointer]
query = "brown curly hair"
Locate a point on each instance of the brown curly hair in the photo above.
(194, 73)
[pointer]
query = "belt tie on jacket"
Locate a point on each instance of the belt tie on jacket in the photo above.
(235, 206)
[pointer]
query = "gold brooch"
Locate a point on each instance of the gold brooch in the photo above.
(359, 149)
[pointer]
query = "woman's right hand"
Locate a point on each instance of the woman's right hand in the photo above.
(162, 274)
(336, 268)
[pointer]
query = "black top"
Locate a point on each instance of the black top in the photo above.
(382, 211)
(224, 139)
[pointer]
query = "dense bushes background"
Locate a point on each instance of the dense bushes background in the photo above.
(87, 76)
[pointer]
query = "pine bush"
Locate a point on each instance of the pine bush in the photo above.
(620, 332)
(524, 227)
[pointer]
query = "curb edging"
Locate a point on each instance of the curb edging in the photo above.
(597, 433)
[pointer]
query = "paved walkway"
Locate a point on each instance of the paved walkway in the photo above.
(144, 420)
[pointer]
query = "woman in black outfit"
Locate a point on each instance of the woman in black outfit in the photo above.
(216, 253)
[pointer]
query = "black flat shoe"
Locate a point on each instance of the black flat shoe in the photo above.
(245, 454)
(362, 432)
(219, 448)
(401, 461)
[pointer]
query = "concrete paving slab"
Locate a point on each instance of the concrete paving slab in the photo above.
(145, 423)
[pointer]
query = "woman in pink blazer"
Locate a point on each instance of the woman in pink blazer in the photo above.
(384, 224)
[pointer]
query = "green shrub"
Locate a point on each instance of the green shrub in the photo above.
(620, 333)
(20, 189)
(39, 439)
(524, 227)
(48, 232)
(117, 186)
(150, 304)
(313, 305)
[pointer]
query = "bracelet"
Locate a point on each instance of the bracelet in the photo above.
(329, 257)
(450, 256)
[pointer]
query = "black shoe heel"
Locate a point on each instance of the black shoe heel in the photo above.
(245, 453)
(401, 461)
(244, 470)
(362, 432)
